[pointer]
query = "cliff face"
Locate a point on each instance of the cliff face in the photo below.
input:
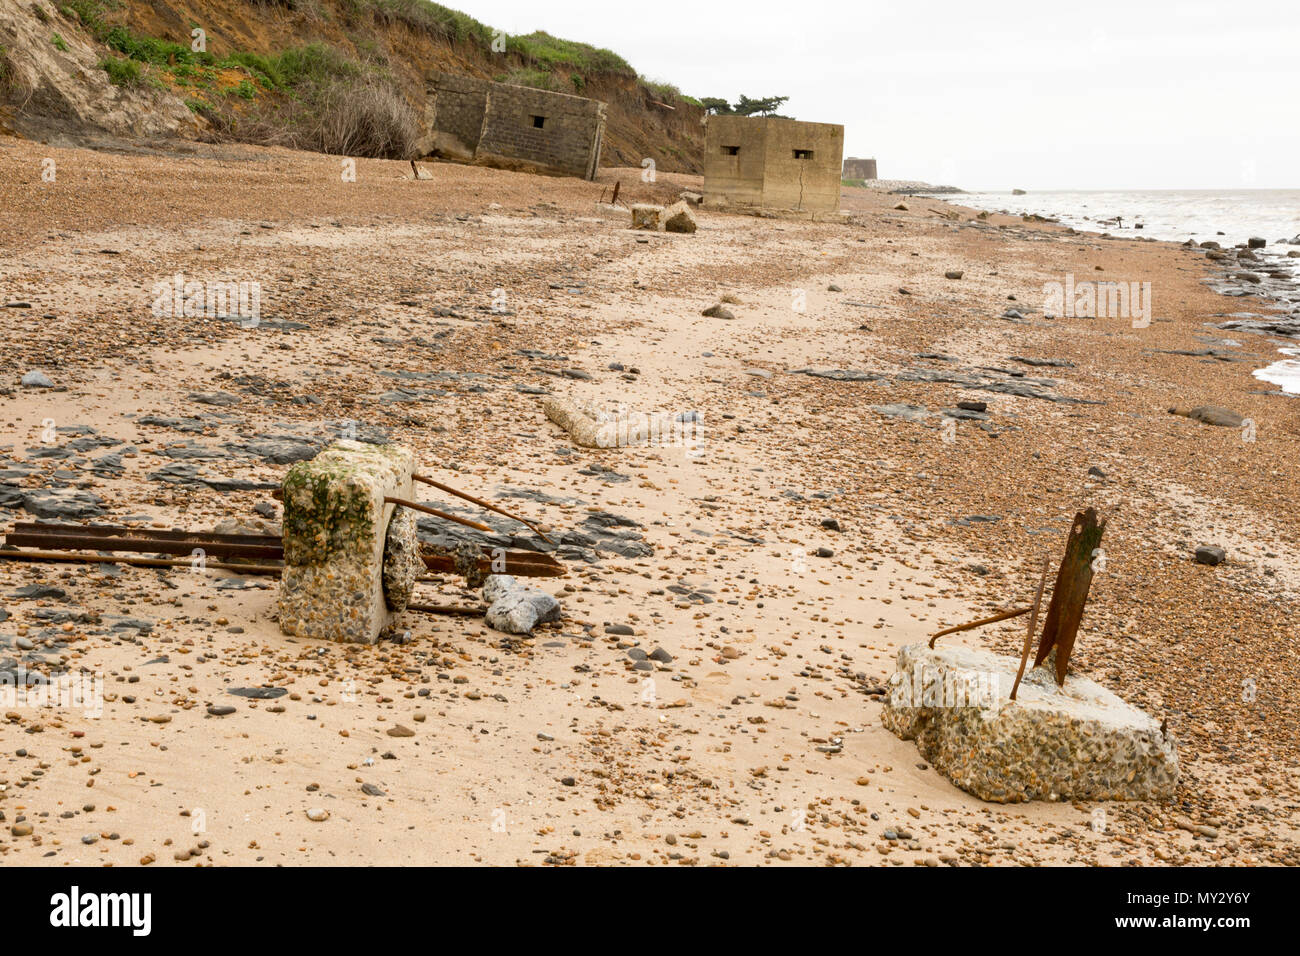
(53, 81)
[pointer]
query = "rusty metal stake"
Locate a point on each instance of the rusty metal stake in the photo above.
(1033, 621)
(1070, 595)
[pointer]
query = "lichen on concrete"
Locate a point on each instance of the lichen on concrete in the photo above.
(335, 529)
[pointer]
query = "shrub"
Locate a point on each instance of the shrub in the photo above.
(121, 71)
(59, 43)
(351, 115)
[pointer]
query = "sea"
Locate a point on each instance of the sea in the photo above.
(1226, 216)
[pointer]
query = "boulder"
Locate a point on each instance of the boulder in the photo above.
(1075, 742)
(36, 380)
(678, 218)
(517, 608)
(1211, 555)
(645, 216)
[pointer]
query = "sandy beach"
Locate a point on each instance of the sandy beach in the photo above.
(779, 562)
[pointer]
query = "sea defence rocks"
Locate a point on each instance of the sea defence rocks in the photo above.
(517, 608)
(350, 557)
(1077, 742)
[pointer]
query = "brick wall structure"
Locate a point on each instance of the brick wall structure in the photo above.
(517, 127)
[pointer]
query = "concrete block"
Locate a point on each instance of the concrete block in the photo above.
(678, 218)
(1077, 742)
(336, 584)
(645, 216)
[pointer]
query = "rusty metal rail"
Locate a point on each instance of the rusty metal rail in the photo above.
(62, 542)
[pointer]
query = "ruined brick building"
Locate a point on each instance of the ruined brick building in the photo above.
(855, 168)
(772, 162)
(516, 127)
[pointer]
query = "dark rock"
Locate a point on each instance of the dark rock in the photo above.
(1211, 555)
(34, 592)
(258, 693)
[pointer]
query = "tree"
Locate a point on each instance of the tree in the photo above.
(764, 106)
(713, 104)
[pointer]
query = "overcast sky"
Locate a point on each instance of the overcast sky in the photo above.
(1040, 95)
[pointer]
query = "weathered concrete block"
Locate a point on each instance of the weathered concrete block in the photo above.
(645, 216)
(337, 528)
(1077, 742)
(678, 218)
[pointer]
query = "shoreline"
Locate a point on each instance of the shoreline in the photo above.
(760, 740)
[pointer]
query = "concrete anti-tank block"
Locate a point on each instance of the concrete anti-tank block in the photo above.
(336, 530)
(646, 216)
(678, 218)
(1077, 742)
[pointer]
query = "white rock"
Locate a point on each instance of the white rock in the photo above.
(37, 380)
(318, 815)
(517, 608)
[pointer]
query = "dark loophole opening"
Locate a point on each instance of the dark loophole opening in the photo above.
(539, 122)
(803, 154)
(730, 150)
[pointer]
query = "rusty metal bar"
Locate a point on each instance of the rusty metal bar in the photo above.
(1004, 616)
(121, 531)
(522, 563)
(483, 504)
(70, 540)
(447, 609)
(1033, 621)
(134, 560)
(416, 506)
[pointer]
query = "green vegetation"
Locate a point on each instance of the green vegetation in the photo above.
(546, 52)
(859, 183)
(59, 43)
(763, 106)
(90, 13)
(288, 69)
(451, 25)
(121, 72)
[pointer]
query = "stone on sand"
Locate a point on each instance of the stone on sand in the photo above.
(517, 608)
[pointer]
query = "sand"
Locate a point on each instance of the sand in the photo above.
(760, 741)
